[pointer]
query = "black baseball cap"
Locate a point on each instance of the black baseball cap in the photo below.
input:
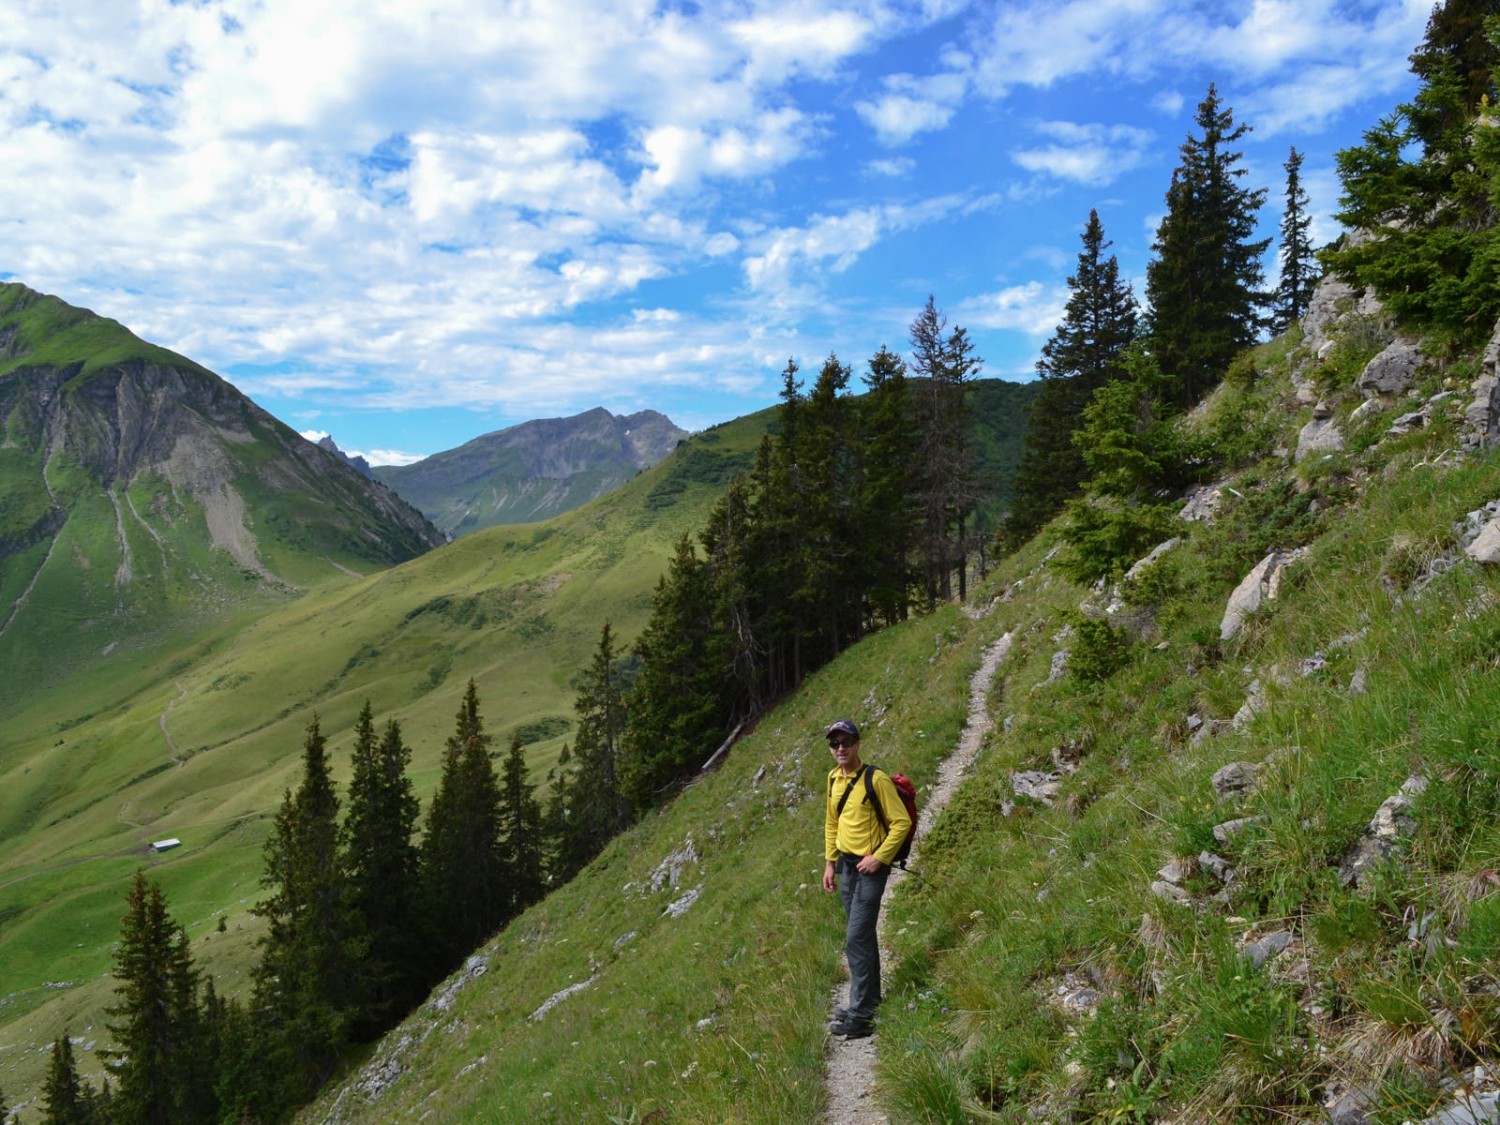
(842, 726)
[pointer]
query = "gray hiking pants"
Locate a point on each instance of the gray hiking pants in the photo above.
(861, 896)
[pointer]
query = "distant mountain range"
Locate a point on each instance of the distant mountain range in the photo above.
(142, 492)
(533, 471)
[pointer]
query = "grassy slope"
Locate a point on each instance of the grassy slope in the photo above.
(756, 955)
(1019, 906)
(1020, 901)
(87, 777)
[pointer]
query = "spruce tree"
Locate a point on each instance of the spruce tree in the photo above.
(827, 544)
(947, 361)
(521, 840)
(1084, 353)
(62, 1088)
(601, 810)
(889, 521)
(1204, 283)
(678, 701)
(462, 866)
(1299, 268)
(159, 1060)
(381, 865)
(1421, 187)
(305, 981)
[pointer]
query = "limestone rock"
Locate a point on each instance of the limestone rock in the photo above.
(1216, 866)
(1235, 780)
(1232, 828)
(1202, 504)
(1390, 824)
(1169, 892)
(1320, 436)
(1486, 546)
(1390, 372)
(1142, 565)
(1262, 584)
(1258, 953)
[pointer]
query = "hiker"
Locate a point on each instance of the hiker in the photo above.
(860, 842)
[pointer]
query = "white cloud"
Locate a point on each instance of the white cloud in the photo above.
(1089, 154)
(1034, 308)
(896, 167)
(389, 457)
(912, 105)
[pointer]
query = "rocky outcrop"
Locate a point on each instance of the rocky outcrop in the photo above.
(1261, 585)
(1391, 372)
(1320, 436)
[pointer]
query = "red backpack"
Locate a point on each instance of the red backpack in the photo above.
(908, 794)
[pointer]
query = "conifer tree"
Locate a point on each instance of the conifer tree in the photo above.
(947, 361)
(678, 699)
(159, 1059)
(600, 811)
(1299, 268)
(889, 519)
(521, 831)
(1084, 353)
(381, 866)
(1421, 187)
(305, 981)
(1204, 283)
(62, 1088)
(4, 1110)
(827, 542)
(462, 866)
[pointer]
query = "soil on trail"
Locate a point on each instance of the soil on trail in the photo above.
(850, 1080)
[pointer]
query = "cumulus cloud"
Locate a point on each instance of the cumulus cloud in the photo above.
(910, 105)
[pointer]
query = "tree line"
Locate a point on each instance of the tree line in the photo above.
(1113, 373)
(361, 918)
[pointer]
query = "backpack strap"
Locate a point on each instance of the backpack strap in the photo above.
(853, 781)
(872, 799)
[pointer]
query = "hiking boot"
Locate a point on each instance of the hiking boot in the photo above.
(840, 1015)
(853, 1029)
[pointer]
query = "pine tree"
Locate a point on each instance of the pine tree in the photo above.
(1299, 269)
(889, 521)
(158, 1060)
(62, 1088)
(521, 831)
(462, 865)
(827, 544)
(381, 866)
(1204, 283)
(1084, 353)
(305, 981)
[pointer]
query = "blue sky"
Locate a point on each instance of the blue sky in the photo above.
(409, 223)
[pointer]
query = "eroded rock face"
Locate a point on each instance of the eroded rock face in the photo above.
(1483, 415)
(1321, 435)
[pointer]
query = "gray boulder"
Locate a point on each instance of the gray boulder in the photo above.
(1321, 435)
(1390, 372)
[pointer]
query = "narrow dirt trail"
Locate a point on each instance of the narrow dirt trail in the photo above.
(850, 1080)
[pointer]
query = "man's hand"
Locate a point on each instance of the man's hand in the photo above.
(828, 877)
(869, 865)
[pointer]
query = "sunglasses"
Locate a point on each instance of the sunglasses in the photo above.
(836, 743)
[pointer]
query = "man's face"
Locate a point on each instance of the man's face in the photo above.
(844, 748)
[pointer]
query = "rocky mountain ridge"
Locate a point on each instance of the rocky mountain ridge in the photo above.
(534, 470)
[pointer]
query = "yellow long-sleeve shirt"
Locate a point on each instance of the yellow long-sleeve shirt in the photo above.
(857, 831)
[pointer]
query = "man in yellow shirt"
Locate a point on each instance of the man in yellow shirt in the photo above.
(859, 842)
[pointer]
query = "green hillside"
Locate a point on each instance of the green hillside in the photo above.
(147, 500)
(1044, 967)
(198, 743)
